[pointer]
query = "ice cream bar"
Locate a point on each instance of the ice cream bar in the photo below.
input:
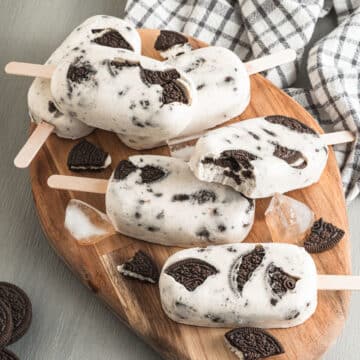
(158, 199)
(260, 157)
(262, 285)
(124, 92)
(97, 32)
(222, 83)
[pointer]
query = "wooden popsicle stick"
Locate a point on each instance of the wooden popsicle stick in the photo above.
(28, 69)
(338, 282)
(270, 61)
(75, 183)
(33, 145)
(252, 67)
(178, 145)
(339, 137)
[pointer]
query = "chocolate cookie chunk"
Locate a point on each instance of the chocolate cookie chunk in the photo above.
(7, 355)
(323, 236)
(280, 281)
(156, 77)
(244, 267)
(290, 123)
(293, 157)
(252, 343)
(172, 91)
(85, 156)
(150, 174)
(141, 267)
(21, 309)
(111, 38)
(191, 272)
(235, 160)
(200, 197)
(167, 39)
(124, 169)
(6, 324)
(79, 72)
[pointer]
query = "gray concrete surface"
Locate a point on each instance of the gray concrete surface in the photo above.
(69, 322)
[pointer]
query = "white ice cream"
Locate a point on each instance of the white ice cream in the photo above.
(280, 292)
(222, 84)
(261, 156)
(158, 199)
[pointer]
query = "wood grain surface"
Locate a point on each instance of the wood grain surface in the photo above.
(138, 305)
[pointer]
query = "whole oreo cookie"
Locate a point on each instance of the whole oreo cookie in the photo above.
(167, 39)
(323, 236)
(20, 306)
(142, 267)
(85, 156)
(6, 324)
(252, 343)
(7, 355)
(191, 272)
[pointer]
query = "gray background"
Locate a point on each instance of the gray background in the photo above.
(69, 322)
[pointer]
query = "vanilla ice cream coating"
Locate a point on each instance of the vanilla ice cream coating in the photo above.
(158, 199)
(262, 156)
(262, 285)
(96, 32)
(123, 92)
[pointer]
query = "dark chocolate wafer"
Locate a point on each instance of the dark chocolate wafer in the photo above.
(323, 236)
(6, 324)
(21, 309)
(85, 156)
(142, 267)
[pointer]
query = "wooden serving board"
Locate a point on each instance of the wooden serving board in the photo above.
(137, 304)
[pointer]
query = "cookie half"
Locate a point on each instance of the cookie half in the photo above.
(142, 267)
(250, 343)
(323, 236)
(85, 156)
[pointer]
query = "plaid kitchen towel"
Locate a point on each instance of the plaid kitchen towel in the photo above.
(254, 28)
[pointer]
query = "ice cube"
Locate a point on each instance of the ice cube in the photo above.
(288, 220)
(85, 223)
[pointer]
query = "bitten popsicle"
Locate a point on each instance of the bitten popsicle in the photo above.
(159, 200)
(263, 285)
(262, 156)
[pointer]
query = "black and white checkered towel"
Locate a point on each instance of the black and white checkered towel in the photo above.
(254, 28)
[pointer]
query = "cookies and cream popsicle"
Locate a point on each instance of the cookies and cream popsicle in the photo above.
(123, 92)
(97, 32)
(262, 285)
(222, 83)
(158, 199)
(262, 156)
